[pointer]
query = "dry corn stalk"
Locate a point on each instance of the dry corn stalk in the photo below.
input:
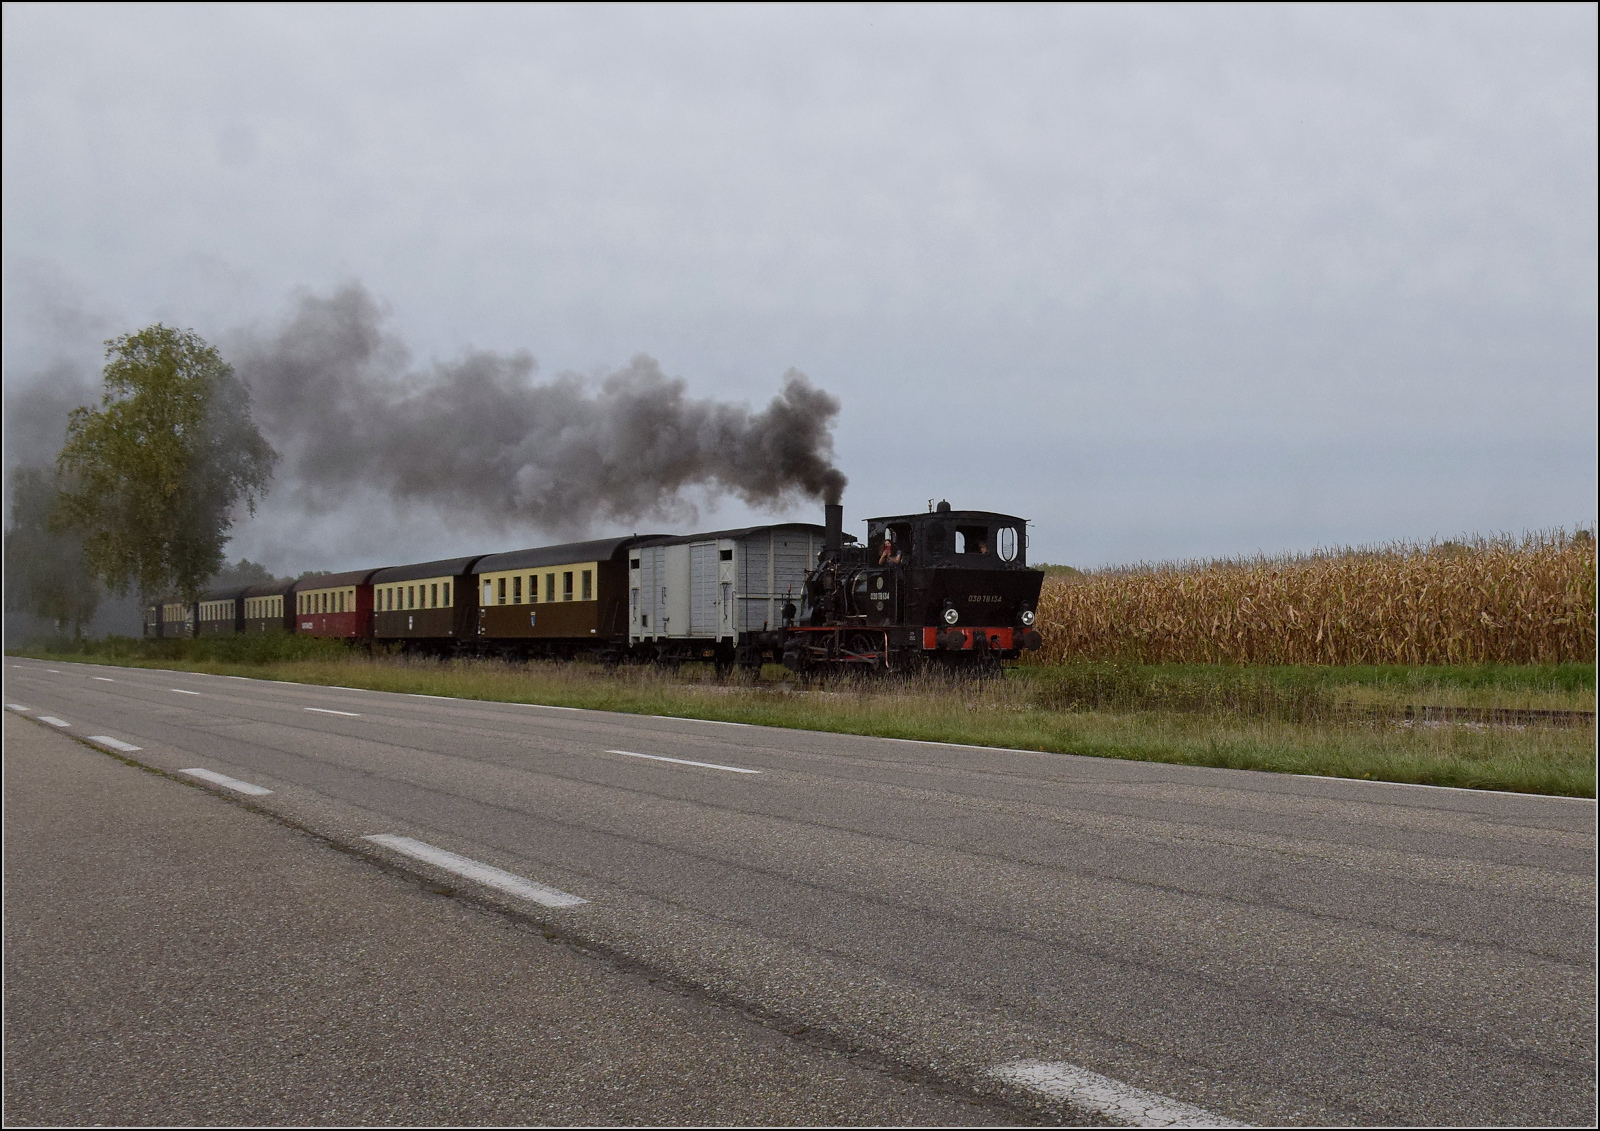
(1490, 600)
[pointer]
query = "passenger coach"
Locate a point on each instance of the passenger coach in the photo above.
(335, 604)
(555, 600)
(221, 612)
(269, 607)
(432, 601)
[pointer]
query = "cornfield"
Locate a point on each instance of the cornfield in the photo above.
(1488, 600)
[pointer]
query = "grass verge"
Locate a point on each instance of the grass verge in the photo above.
(1328, 721)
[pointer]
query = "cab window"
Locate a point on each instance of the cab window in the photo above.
(973, 540)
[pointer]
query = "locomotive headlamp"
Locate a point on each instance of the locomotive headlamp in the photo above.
(1027, 617)
(951, 616)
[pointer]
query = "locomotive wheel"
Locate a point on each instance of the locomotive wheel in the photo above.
(862, 643)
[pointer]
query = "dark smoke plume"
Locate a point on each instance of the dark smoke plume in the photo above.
(485, 438)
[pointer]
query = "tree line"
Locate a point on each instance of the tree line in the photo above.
(143, 495)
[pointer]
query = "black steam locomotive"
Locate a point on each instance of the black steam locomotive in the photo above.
(947, 587)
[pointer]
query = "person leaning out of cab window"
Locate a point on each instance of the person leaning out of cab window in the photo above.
(887, 554)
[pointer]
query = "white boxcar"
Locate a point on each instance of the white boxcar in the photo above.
(718, 586)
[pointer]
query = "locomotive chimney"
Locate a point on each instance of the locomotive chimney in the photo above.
(834, 520)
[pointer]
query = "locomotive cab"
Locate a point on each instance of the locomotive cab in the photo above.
(953, 569)
(948, 582)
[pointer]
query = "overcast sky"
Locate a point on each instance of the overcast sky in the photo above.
(1170, 282)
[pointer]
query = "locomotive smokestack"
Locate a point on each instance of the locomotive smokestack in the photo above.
(834, 520)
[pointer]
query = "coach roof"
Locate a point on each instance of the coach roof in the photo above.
(334, 580)
(449, 567)
(599, 550)
(270, 588)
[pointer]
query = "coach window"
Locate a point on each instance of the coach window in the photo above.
(549, 587)
(447, 594)
(501, 595)
(566, 586)
(588, 585)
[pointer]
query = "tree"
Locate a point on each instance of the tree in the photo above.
(239, 574)
(46, 571)
(153, 476)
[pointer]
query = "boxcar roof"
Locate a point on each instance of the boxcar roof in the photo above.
(447, 567)
(335, 580)
(737, 532)
(598, 550)
(270, 588)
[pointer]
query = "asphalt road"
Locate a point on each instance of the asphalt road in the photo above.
(1109, 941)
(174, 959)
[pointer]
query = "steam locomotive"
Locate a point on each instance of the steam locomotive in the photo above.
(949, 588)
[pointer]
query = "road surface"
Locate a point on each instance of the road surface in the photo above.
(1079, 938)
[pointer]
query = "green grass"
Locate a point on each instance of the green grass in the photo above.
(1337, 722)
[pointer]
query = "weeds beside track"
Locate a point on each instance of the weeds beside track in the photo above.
(1348, 722)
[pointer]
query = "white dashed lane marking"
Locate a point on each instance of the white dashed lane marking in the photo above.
(114, 743)
(1105, 1097)
(226, 782)
(15, 706)
(328, 711)
(53, 721)
(684, 762)
(686, 719)
(181, 691)
(103, 678)
(485, 874)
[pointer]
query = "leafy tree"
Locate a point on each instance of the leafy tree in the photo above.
(153, 476)
(47, 574)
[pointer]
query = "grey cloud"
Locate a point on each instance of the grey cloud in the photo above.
(484, 437)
